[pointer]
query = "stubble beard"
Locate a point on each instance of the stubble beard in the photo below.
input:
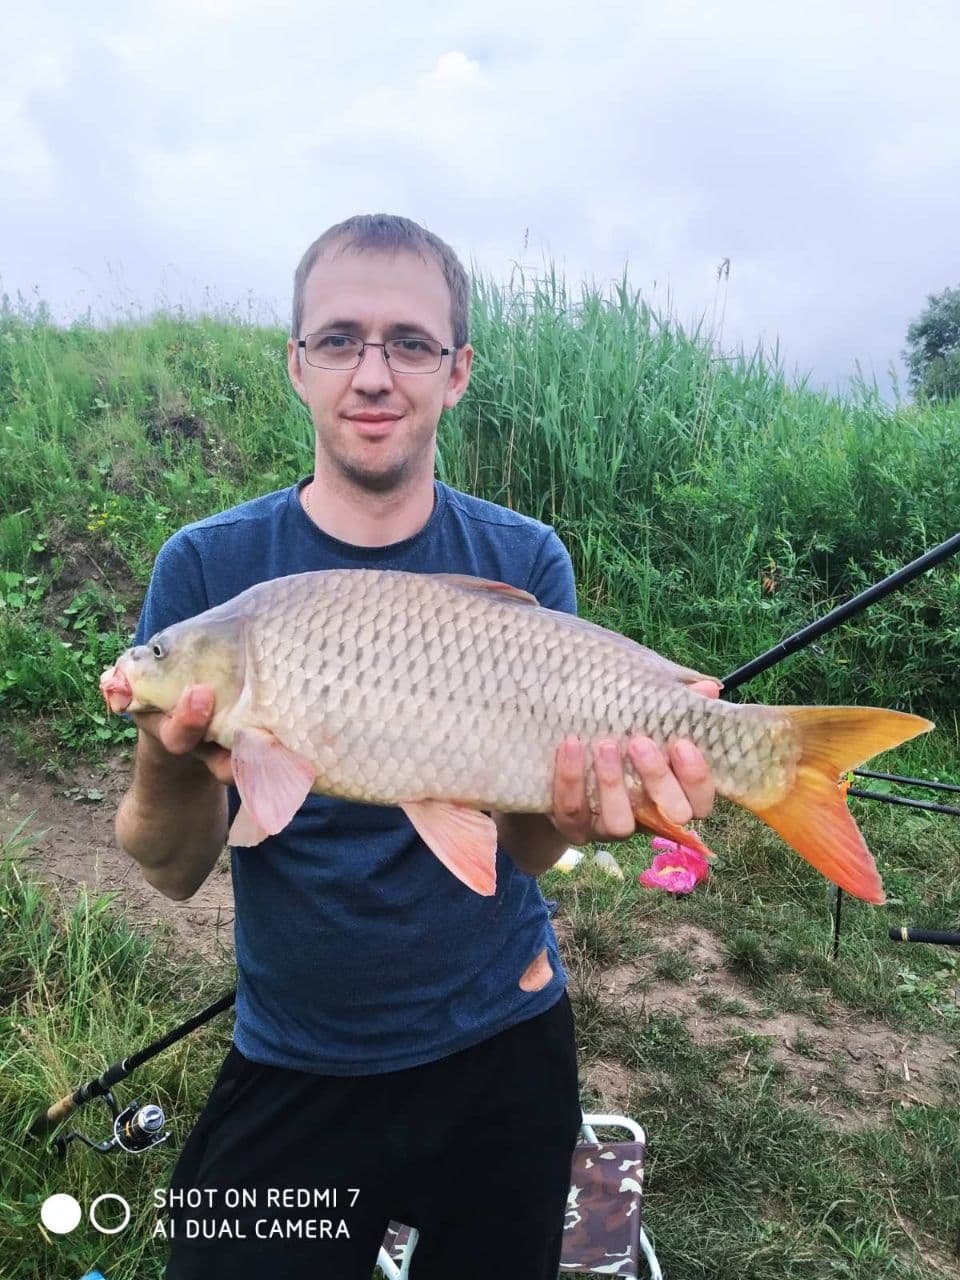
(391, 477)
(384, 481)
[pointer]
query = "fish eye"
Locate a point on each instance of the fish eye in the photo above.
(158, 650)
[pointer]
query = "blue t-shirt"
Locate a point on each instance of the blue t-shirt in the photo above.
(357, 951)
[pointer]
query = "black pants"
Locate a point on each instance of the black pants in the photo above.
(474, 1150)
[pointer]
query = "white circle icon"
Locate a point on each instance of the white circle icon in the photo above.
(60, 1214)
(110, 1231)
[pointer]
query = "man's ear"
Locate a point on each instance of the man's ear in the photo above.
(293, 369)
(459, 376)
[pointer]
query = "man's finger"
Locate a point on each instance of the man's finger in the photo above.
(616, 815)
(571, 812)
(693, 774)
(218, 760)
(709, 688)
(183, 728)
(658, 780)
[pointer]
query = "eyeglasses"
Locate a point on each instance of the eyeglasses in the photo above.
(403, 355)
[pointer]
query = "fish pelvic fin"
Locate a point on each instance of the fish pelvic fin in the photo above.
(244, 832)
(813, 817)
(465, 840)
(273, 782)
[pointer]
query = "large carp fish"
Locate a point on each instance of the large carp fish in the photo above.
(448, 696)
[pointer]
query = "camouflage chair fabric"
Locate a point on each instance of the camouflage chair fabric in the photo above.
(602, 1230)
(395, 1243)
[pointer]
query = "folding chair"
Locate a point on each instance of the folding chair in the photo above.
(602, 1232)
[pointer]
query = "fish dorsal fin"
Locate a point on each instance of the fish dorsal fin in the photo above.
(486, 585)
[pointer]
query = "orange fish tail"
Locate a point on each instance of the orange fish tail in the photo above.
(813, 817)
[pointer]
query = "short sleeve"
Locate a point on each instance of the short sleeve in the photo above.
(551, 579)
(176, 590)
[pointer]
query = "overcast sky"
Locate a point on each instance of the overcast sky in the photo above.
(187, 151)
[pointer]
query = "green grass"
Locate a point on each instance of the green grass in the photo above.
(80, 990)
(711, 509)
(744, 1177)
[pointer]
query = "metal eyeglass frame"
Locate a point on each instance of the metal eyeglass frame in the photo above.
(302, 342)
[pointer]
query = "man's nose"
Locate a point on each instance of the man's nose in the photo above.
(372, 373)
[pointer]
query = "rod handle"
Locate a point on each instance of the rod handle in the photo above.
(53, 1115)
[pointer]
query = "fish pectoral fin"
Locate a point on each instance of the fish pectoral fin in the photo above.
(647, 815)
(465, 840)
(273, 781)
(245, 832)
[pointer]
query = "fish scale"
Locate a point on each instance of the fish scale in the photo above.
(449, 696)
(472, 672)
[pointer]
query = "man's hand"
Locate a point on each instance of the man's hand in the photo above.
(181, 731)
(680, 784)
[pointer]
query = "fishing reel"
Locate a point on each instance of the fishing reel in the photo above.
(135, 1129)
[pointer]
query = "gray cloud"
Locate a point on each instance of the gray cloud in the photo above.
(190, 151)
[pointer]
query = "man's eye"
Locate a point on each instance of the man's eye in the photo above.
(333, 342)
(411, 346)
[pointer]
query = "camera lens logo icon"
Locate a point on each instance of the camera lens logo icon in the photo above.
(61, 1214)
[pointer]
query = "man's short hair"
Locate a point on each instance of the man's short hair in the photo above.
(389, 233)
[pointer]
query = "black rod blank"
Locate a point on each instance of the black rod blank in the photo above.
(842, 612)
(905, 801)
(908, 782)
(945, 937)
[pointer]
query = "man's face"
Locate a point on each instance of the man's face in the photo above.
(377, 428)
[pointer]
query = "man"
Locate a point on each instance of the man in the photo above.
(384, 1051)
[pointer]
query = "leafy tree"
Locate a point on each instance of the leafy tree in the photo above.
(933, 353)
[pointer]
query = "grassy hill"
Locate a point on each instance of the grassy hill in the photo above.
(711, 509)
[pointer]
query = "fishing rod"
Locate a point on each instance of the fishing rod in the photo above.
(137, 1128)
(813, 631)
(900, 577)
(807, 635)
(905, 800)
(943, 937)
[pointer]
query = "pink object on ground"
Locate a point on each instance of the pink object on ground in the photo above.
(678, 868)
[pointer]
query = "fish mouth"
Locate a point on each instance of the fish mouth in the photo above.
(116, 689)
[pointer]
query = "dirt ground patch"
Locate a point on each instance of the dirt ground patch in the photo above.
(69, 820)
(851, 1072)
